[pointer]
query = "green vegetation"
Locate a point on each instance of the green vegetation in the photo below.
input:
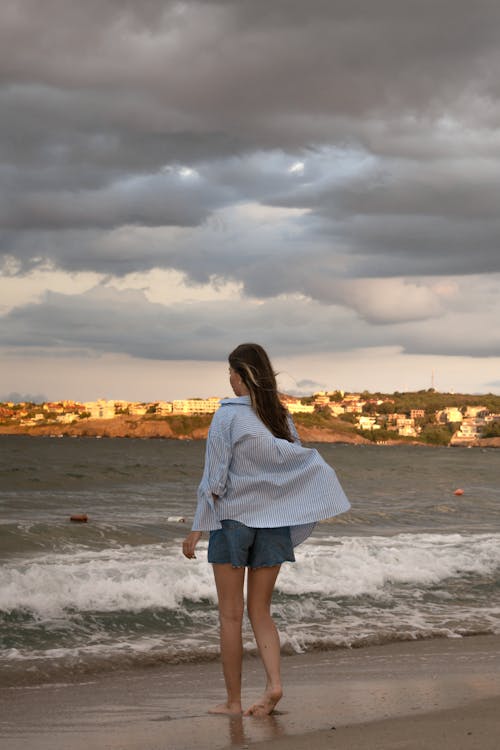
(493, 430)
(434, 434)
(336, 396)
(183, 424)
(432, 401)
(324, 420)
(308, 400)
(348, 417)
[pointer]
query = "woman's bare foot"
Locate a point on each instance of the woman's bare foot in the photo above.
(227, 709)
(266, 704)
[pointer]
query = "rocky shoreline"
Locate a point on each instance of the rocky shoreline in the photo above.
(125, 426)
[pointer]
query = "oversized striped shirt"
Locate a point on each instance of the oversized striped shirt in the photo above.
(261, 480)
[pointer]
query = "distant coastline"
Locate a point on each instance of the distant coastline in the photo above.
(186, 428)
(196, 428)
(415, 418)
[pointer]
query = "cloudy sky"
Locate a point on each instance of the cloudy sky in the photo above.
(322, 177)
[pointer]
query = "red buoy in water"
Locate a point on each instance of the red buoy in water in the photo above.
(458, 492)
(79, 518)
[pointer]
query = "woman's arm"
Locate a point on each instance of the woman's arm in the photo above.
(189, 544)
(192, 539)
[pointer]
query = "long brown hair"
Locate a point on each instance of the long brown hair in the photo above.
(254, 367)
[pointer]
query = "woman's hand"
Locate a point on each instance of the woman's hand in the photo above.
(189, 544)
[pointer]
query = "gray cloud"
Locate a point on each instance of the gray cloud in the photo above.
(306, 386)
(18, 398)
(134, 134)
(320, 58)
(153, 200)
(105, 319)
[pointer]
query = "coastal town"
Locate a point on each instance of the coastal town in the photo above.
(425, 416)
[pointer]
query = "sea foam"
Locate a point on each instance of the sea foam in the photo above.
(146, 577)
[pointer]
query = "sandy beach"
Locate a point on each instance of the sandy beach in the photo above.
(440, 693)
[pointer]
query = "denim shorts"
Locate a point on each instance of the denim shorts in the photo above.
(244, 546)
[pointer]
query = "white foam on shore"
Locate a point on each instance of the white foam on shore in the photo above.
(134, 579)
(360, 566)
(128, 579)
(147, 604)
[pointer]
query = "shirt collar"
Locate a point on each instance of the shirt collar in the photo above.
(241, 400)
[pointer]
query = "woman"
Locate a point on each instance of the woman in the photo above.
(260, 495)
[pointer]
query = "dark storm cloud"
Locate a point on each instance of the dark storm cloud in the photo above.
(375, 124)
(212, 59)
(152, 200)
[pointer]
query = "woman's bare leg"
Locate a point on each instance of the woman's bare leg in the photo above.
(260, 589)
(229, 582)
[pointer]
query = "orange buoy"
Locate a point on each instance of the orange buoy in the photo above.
(458, 492)
(79, 518)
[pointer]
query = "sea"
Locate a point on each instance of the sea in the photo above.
(411, 560)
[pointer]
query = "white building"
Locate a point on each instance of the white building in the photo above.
(163, 408)
(417, 413)
(476, 411)
(407, 431)
(100, 409)
(470, 430)
(321, 399)
(353, 404)
(298, 408)
(368, 423)
(138, 410)
(449, 414)
(196, 405)
(67, 418)
(336, 409)
(406, 427)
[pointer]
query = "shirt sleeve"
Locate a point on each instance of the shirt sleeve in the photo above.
(205, 518)
(218, 457)
(218, 454)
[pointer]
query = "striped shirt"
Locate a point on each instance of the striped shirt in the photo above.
(261, 480)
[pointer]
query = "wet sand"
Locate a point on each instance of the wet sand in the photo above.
(475, 726)
(427, 694)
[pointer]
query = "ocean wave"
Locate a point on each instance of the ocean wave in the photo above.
(87, 610)
(358, 566)
(137, 578)
(123, 579)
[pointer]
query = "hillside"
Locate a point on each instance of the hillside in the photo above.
(312, 428)
(177, 427)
